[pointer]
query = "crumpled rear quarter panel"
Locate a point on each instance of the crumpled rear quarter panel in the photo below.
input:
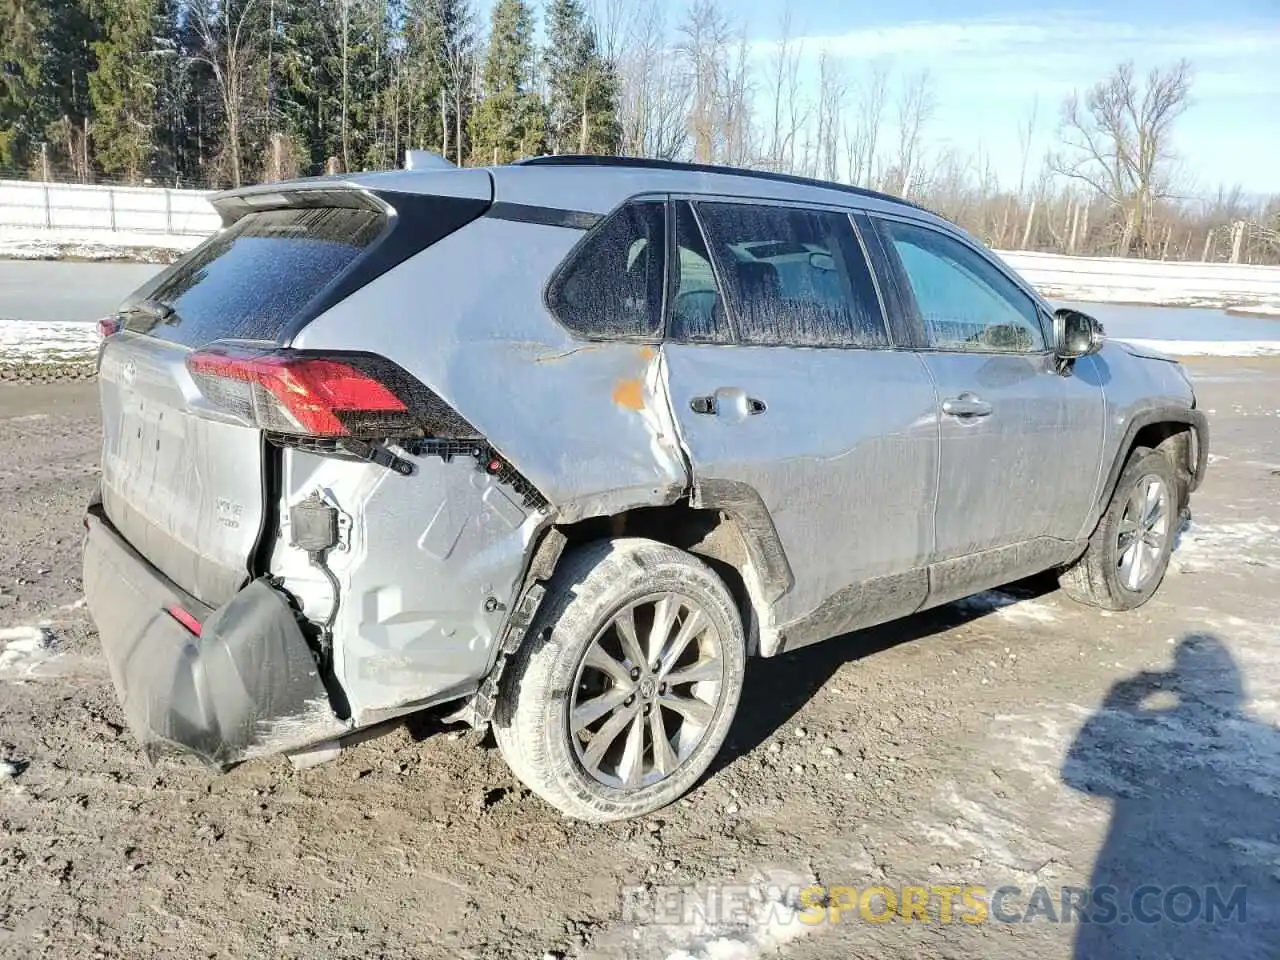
(587, 423)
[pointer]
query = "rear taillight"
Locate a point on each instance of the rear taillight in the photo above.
(108, 326)
(308, 394)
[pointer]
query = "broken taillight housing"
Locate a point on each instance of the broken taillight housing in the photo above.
(322, 394)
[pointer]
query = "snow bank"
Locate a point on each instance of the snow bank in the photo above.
(22, 340)
(1209, 348)
(1154, 282)
(71, 243)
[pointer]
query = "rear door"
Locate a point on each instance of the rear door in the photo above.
(183, 480)
(1021, 440)
(789, 395)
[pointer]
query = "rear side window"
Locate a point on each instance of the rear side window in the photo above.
(611, 286)
(248, 281)
(794, 276)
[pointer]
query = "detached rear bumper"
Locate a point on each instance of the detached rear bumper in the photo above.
(246, 686)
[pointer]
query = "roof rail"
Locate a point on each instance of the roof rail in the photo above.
(649, 163)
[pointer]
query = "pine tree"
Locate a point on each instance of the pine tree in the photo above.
(439, 44)
(22, 27)
(73, 28)
(183, 102)
(306, 75)
(510, 120)
(124, 88)
(582, 86)
(43, 65)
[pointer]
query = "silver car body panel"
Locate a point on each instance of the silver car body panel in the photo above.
(1029, 469)
(182, 486)
(851, 501)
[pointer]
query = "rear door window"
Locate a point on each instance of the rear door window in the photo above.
(610, 287)
(794, 276)
(697, 308)
(248, 281)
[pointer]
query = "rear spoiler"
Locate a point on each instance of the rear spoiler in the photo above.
(374, 191)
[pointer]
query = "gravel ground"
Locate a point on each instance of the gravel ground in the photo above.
(1013, 739)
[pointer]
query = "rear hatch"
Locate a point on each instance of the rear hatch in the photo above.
(200, 369)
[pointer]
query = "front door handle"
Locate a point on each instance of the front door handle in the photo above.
(966, 406)
(704, 405)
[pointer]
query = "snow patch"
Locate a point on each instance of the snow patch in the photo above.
(1009, 607)
(1232, 546)
(54, 341)
(734, 921)
(26, 650)
(1209, 348)
(63, 243)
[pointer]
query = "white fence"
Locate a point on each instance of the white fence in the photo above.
(93, 207)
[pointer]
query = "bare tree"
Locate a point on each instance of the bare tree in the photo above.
(790, 106)
(228, 44)
(915, 109)
(833, 91)
(705, 35)
(654, 88)
(1116, 140)
(735, 133)
(615, 21)
(1026, 136)
(863, 140)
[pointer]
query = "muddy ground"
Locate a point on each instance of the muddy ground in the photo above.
(1015, 739)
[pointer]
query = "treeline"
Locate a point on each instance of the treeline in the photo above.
(215, 93)
(225, 92)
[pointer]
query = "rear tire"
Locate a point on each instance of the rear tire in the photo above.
(584, 719)
(1129, 551)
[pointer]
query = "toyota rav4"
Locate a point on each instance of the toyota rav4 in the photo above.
(558, 446)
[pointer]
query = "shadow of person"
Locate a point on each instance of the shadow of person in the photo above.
(1191, 862)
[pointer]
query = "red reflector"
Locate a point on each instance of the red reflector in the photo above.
(108, 326)
(188, 620)
(306, 395)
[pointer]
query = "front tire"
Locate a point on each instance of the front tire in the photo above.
(1129, 551)
(627, 683)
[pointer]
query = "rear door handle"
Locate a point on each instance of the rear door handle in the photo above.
(732, 402)
(966, 406)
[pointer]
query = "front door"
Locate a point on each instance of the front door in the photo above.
(1021, 441)
(788, 394)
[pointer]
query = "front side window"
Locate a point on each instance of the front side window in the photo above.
(794, 276)
(610, 288)
(965, 302)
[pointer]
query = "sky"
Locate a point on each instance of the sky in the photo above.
(991, 60)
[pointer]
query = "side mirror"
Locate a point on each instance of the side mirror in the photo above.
(1075, 334)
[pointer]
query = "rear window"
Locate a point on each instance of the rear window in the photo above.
(249, 281)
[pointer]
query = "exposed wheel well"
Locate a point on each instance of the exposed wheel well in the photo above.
(1176, 441)
(712, 535)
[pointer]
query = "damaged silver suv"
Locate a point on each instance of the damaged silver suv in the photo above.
(558, 446)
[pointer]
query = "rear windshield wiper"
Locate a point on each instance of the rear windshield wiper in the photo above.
(151, 310)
